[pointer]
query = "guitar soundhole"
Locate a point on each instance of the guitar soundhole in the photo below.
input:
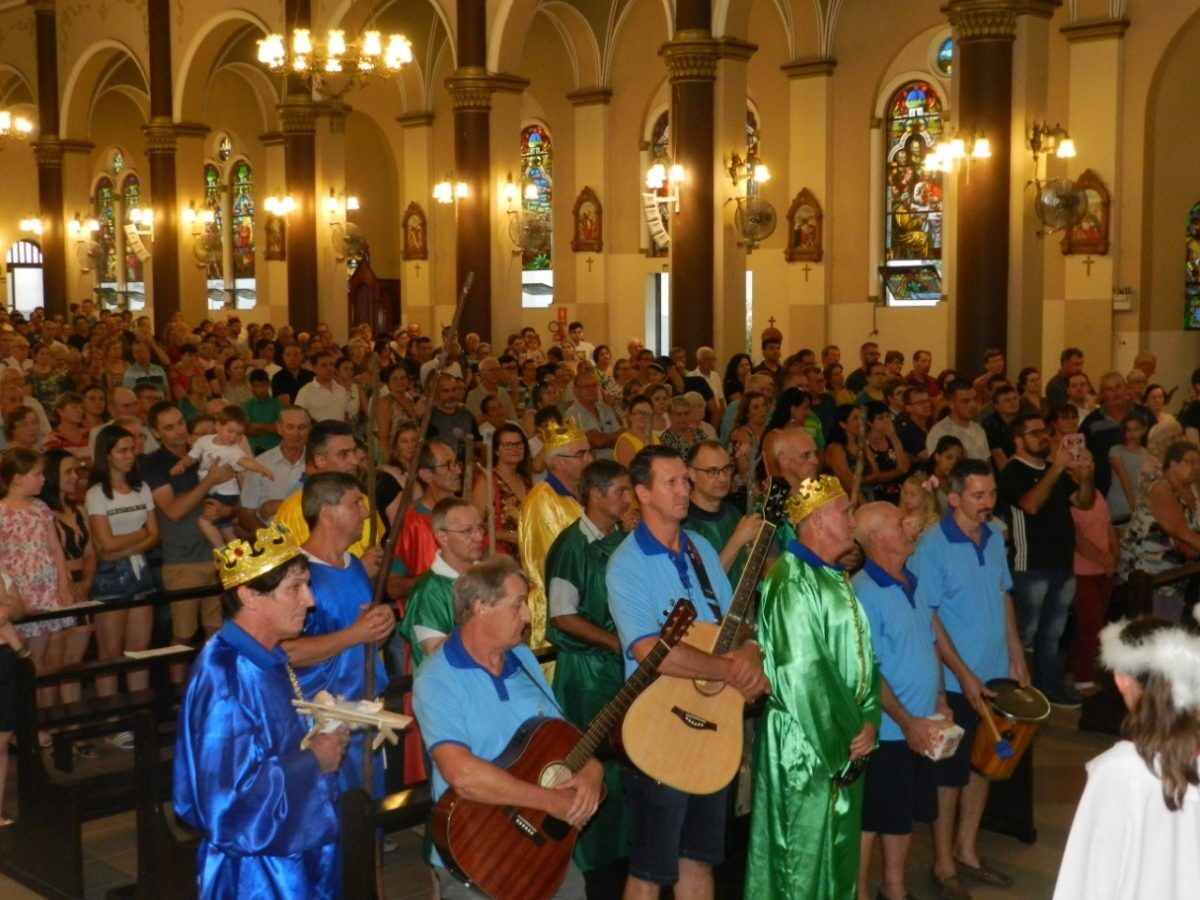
(693, 721)
(708, 688)
(553, 775)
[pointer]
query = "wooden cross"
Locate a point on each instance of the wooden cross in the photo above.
(589, 264)
(771, 321)
(807, 268)
(1088, 263)
(417, 267)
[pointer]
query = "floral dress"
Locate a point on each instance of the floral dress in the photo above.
(26, 557)
(508, 513)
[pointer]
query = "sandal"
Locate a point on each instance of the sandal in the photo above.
(948, 888)
(985, 874)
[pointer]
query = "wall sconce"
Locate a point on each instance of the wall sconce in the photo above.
(198, 219)
(956, 147)
(82, 231)
(343, 234)
(79, 228)
(448, 191)
(142, 220)
(279, 206)
(1044, 140)
(32, 225)
(206, 244)
(749, 169)
(659, 176)
(338, 205)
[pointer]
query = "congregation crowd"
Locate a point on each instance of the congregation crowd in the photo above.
(612, 478)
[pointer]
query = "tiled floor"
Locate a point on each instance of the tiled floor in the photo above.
(110, 857)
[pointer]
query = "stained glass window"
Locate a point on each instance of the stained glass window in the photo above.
(537, 168)
(106, 237)
(1192, 272)
(242, 221)
(945, 57)
(131, 190)
(213, 229)
(913, 231)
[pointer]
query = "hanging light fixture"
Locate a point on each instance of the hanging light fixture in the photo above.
(314, 59)
(14, 126)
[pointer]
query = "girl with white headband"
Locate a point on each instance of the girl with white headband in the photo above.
(1137, 829)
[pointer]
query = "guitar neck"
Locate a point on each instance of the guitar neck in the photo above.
(608, 717)
(739, 606)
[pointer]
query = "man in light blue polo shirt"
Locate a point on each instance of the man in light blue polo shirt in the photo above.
(473, 693)
(676, 838)
(963, 569)
(900, 787)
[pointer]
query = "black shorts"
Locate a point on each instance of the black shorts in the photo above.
(900, 789)
(955, 771)
(667, 825)
(8, 689)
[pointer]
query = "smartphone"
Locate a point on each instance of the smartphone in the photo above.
(1074, 444)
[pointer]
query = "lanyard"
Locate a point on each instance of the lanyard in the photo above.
(705, 585)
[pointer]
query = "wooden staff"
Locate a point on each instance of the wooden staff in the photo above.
(468, 442)
(369, 650)
(752, 476)
(856, 485)
(490, 475)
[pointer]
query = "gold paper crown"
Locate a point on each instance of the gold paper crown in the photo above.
(555, 437)
(238, 562)
(810, 495)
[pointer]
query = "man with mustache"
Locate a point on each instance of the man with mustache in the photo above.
(962, 565)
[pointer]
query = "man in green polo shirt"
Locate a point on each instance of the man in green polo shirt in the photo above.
(712, 515)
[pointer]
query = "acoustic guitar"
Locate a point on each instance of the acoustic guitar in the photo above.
(686, 732)
(512, 853)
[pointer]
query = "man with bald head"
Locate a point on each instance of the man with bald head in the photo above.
(900, 788)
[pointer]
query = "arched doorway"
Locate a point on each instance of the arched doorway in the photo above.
(24, 266)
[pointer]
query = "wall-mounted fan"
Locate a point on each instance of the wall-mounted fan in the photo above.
(529, 234)
(1059, 204)
(754, 220)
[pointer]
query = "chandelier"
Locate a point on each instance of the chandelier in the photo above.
(14, 126)
(311, 57)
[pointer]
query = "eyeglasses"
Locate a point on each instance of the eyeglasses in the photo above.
(468, 530)
(453, 464)
(716, 471)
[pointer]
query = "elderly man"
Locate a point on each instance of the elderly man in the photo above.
(262, 496)
(899, 787)
(597, 419)
(1102, 426)
(491, 377)
(143, 370)
(450, 420)
(266, 809)
(676, 838)
(548, 508)
(331, 448)
(823, 709)
(472, 696)
(327, 655)
(429, 611)
(122, 403)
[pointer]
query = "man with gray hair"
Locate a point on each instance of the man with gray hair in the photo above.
(706, 368)
(327, 655)
(597, 419)
(491, 376)
(472, 695)
(429, 611)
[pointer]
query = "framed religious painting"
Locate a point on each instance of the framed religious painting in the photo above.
(806, 233)
(1090, 235)
(416, 244)
(588, 216)
(276, 228)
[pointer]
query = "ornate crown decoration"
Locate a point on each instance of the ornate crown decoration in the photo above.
(238, 562)
(555, 437)
(810, 495)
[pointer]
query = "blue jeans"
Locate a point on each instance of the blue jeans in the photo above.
(1043, 598)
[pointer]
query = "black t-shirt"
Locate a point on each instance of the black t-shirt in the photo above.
(912, 435)
(996, 430)
(1190, 417)
(284, 382)
(1042, 541)
(1101, 434)
(182, 541)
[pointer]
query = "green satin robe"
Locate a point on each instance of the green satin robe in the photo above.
(817, 653)
(587, 678)
(430, 604)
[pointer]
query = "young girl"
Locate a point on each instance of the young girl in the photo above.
(30, 553)
(917, 501)
(1138, 823)
(1097, 552)
(228, 447)
(1127, 459)
(9, 636)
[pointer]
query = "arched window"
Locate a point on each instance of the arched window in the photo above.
(105, 212)
(913, 217)
(242, 223)
(215, 228)
(944, 58)
(537, 169)
(24, 265)
(1191, 286)
(135, 275)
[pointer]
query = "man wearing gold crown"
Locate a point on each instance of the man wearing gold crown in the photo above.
(267, 809)
(548, 509)
(823, 712)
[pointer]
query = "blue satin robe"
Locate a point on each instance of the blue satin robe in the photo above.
(268, 814)
(340, 595)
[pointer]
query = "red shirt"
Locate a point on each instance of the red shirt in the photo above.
(924, 381)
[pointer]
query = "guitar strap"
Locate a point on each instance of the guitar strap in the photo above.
(537, 684)
(705, 585)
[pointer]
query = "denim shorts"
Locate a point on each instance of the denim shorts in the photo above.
(116, 580)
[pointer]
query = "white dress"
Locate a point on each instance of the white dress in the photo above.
(1125, 844)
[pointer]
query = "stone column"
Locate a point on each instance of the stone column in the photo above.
(984, 31)
(730, 259)
(48, 153)
(297, 119)
(691, 57)
(470, 98)
(160, 148)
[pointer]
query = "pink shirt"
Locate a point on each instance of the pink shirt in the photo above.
(1093, 525)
